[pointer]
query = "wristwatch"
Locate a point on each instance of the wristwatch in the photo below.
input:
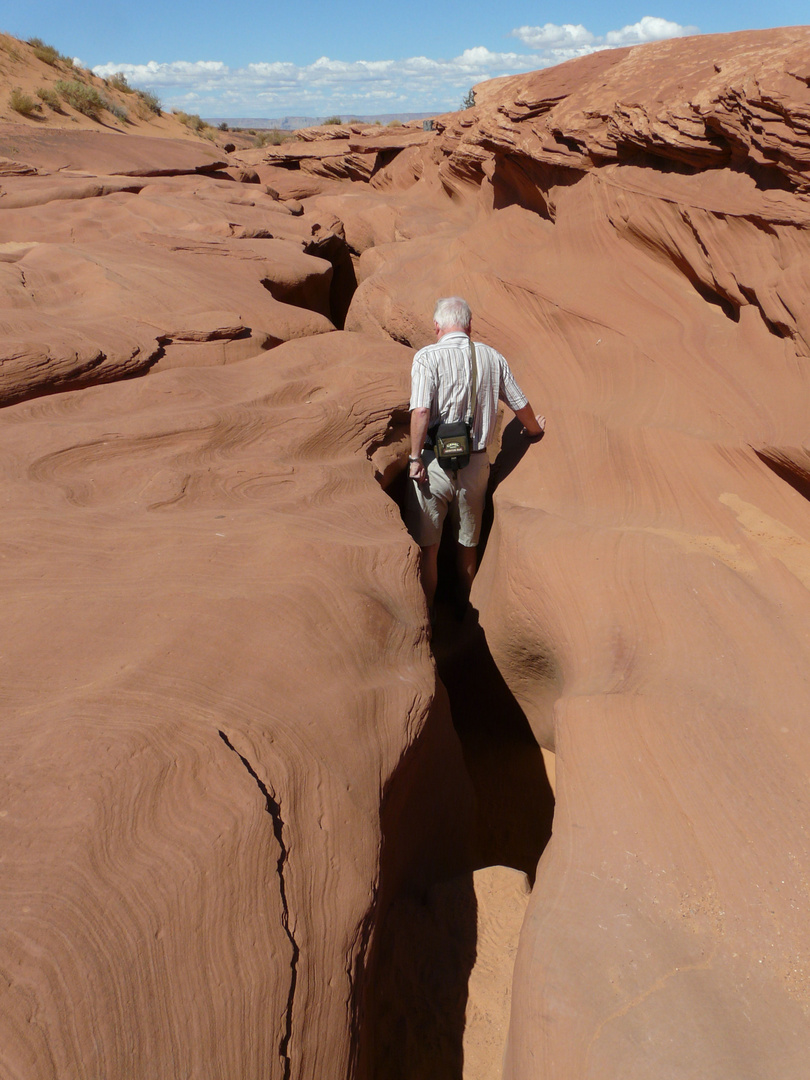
(412, 459)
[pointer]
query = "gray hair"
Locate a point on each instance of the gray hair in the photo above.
(452, 311)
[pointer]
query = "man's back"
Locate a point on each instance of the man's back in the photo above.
(441, 381)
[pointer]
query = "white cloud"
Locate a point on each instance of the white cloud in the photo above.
(551, 36)
(272, 88)
(566, 41)
(326, 86)
(649, 28)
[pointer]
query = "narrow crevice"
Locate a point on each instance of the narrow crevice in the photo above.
(471, 794)
(788, 470)
(776, 327)
(410, 987)
(339, 253)
(274, 810)
(711, 296)
(717, 296)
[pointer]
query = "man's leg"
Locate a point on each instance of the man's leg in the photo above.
(430, 572)
(467, 562)
(471, 496)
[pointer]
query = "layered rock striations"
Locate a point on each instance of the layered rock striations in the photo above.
(236, 830)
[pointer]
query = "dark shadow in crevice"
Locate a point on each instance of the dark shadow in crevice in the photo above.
(471, 792)
(519, 180)
(344, 278)
(514, 799)
(411, 989)
(711, 296)
(793, 473)
(778, 328)
(515, 802)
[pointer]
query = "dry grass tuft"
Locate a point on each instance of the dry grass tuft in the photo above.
(118, 81)
(22, 103)
(194, 123)
(118, 111)
(9, 46)
(147, 105)
(45, 53)
(50, 97)
(273, 137)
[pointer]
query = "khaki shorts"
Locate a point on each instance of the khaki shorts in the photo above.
(465, 491)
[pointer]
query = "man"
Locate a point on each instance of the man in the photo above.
(441, 379)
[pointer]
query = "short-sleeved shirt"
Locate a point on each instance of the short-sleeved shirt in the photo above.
(441, 381)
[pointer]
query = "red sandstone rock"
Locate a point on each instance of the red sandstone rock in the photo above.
(234, 807)
(103, 153)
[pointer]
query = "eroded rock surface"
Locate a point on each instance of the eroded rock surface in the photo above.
(236, 820)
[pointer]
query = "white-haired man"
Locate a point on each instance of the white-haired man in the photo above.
(441, 392)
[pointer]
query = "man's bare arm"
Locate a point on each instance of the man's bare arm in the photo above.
(533, 425)
(420, 419)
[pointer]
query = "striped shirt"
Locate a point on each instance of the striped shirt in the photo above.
(441, 381)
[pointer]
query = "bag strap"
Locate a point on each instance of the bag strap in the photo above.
(473, 384)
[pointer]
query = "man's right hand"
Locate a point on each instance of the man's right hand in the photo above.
(417, 471)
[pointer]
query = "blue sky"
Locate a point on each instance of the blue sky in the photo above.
(315, 58)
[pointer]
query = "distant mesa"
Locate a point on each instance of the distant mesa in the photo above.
(293, 123)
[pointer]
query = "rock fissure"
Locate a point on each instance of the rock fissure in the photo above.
(274, 810)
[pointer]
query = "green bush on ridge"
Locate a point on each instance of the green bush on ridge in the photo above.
(81, 97)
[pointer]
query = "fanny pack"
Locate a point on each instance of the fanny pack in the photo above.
(451, 444)
(452, 441)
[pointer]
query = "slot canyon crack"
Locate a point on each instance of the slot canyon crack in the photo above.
(273, 808)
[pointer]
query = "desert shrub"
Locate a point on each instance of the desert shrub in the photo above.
(394, 123)
(468, 100)
(333, 120)
(273, 137)
(46, 94)
(192, 121)
(118, 81)
(147, 105)
(117, 110)
(223, 126)
(22, 103)
(47, 53)
(84, 99)
(7, 44)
